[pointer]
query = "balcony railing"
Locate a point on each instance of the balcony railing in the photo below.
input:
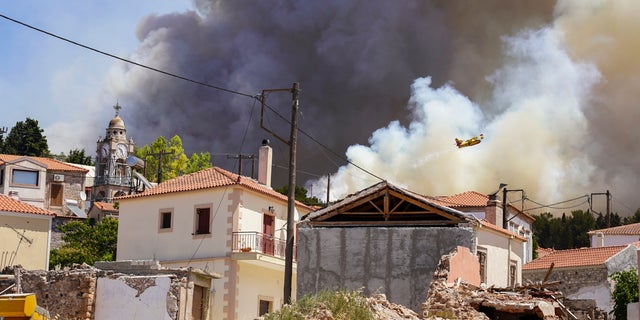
(112, 180)
(261, 243)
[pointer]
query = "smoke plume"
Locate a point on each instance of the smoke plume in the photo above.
(391, 84)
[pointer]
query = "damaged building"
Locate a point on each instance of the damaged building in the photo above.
(116, 290)
(386, 239)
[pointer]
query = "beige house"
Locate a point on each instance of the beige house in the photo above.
(502, 252)
(219, 222)
(44, 183)
(25, 234)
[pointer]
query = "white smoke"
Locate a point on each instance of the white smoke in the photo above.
(535, 130)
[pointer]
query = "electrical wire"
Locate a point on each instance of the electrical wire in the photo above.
(621, 203)
(126, 60)
(256, 97)
(552, 206)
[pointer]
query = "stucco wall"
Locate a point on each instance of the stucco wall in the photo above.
(612, 240)
(34, 228)
(398, 262)
(499, 257)
(136, 298)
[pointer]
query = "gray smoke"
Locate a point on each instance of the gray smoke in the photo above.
(356, 62)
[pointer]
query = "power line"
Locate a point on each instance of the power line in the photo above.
(551, 206)
(126, 60)
(256, 97)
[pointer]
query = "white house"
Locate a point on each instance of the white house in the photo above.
(615, 236)
(25, 234)
(220, 222)
(489, 210)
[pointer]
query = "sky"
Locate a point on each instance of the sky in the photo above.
(386, 85)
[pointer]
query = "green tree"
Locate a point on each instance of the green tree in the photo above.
(173, 161)
(26, 139)
(635, 218)
(299, 195)
(86, 243)
(198, 161)
(78, 156)
(625, 292)
(578, 225)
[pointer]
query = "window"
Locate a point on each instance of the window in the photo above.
(264, 307)
(56, 195)
(25, 177)
(513, 273)
(165, 219)
(1, 176)
(482, 258)
(203, 216)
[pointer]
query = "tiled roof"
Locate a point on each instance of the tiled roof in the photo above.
(465, 199)
(629, 229)
(471, 199)
(8, 204)
(50, 164)
(105, 206)
(207, 179)
(354, 197)
(581, 257)
(544, 251)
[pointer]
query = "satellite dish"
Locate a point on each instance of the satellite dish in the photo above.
(135, 162)
(83, 196)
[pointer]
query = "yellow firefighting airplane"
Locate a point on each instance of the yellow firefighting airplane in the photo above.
(470, 142)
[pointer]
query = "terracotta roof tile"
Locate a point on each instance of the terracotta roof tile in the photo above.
(629, 229)
(206, 179)
(581, 257)
(471, 199)
(50, 164)
(105, 206)
(465, 199)
(9, 204)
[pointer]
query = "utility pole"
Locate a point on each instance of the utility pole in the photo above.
(159, 155)
(608, 194)
(241, 157)
(504, 206)
(292, 142)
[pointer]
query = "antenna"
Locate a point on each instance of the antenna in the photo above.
(22, 238)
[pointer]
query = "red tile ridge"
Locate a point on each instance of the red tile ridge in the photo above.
(580, 257)
(8, 204)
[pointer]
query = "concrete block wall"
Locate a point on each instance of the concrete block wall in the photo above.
(398, 261)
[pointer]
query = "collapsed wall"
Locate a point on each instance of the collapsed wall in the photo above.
(457, 298)
(397, 262)
(116, 291)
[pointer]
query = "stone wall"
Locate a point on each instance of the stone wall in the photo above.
(589, 286)
(397, 262)
(72, 293)
(69, 294)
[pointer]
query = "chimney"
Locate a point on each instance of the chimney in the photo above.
(265, 160)
(493, 211)
(14, 195)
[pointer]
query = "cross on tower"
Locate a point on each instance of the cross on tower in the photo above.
(117, 107)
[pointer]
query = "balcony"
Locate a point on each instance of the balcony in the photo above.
(112, 180)
(260, 243)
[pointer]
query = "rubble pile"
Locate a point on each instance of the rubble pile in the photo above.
(461, 300)
(383, 309)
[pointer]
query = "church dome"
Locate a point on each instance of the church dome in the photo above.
(116, 123)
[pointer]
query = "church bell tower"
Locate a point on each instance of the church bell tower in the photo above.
(113, 176)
